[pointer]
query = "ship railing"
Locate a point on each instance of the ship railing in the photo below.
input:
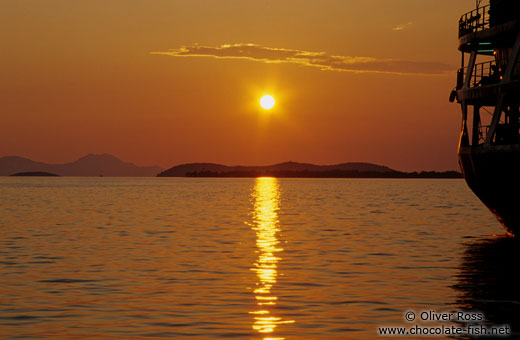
(483, 131)
(486, 73)
(474, 21)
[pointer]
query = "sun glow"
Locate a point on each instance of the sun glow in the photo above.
(267, 102)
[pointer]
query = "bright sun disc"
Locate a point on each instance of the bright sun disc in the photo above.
(267, 102)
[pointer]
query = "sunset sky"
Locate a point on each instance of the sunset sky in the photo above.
(164, 82)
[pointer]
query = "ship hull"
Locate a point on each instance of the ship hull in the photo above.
(493, 174)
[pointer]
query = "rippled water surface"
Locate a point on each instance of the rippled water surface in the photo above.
(106, 258)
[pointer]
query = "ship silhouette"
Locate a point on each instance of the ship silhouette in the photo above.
(488, 91)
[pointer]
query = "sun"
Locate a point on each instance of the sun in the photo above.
(267, 102)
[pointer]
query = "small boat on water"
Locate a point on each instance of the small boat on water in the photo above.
(488, 91)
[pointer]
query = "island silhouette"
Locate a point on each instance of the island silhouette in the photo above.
(105, 165)
(300, 170)
(34, 174)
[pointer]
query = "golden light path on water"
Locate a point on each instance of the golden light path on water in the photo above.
(266, 196)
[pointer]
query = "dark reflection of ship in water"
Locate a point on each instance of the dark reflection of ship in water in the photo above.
(489, 281)
(266, 196)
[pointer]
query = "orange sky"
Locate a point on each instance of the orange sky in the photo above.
(165, 82)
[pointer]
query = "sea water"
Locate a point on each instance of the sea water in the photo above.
(265, 258)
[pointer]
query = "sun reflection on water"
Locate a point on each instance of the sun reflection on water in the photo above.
(266, 196)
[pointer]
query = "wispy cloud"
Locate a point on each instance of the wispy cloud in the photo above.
(402, 26)
(320, 60)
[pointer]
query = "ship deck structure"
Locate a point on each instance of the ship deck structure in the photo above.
(488, 91)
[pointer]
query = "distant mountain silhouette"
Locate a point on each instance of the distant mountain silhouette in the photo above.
(88, 166)
(301, 170)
